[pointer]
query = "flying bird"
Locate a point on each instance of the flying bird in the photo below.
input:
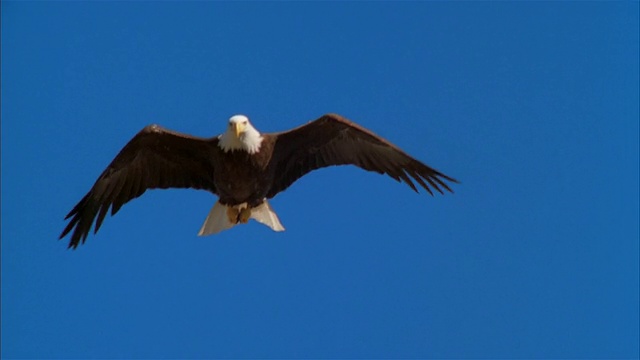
(243, 167)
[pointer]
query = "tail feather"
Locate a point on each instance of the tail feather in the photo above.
(264, 214)
(218, 221)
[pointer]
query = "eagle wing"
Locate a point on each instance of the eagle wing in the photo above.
(334, 140)
(154, 158)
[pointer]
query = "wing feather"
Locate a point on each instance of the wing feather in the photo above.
(333, 140)
(156, 158)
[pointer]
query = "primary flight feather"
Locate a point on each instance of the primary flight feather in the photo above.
(242, 167)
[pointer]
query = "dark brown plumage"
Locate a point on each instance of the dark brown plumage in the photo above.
(157, 158)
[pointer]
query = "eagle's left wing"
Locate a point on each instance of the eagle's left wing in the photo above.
(334, 140)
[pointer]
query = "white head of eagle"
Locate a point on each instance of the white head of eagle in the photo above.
(240, 135)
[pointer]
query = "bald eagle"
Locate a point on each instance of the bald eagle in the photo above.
(242, 167)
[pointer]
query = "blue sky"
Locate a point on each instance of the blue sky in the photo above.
(533, 106)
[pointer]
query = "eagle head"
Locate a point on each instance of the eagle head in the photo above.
(240, 135)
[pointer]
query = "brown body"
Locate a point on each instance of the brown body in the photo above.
(242, 177)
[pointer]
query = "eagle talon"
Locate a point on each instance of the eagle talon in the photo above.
(244, 216)
(232, 214)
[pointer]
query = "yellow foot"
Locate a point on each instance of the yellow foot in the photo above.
(244, 215)
(232, 214)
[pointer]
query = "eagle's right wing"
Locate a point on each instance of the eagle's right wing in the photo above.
(156, 158)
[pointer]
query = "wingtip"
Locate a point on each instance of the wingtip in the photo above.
(72, 246)
(449, 178)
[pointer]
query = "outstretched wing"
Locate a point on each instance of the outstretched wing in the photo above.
(334, 140)
(154, 158)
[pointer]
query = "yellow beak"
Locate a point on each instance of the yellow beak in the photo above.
(239, 128)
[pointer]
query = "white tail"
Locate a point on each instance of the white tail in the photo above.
(264, 214)
(218, 221)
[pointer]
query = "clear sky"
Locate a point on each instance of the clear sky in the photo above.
(532, 106)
